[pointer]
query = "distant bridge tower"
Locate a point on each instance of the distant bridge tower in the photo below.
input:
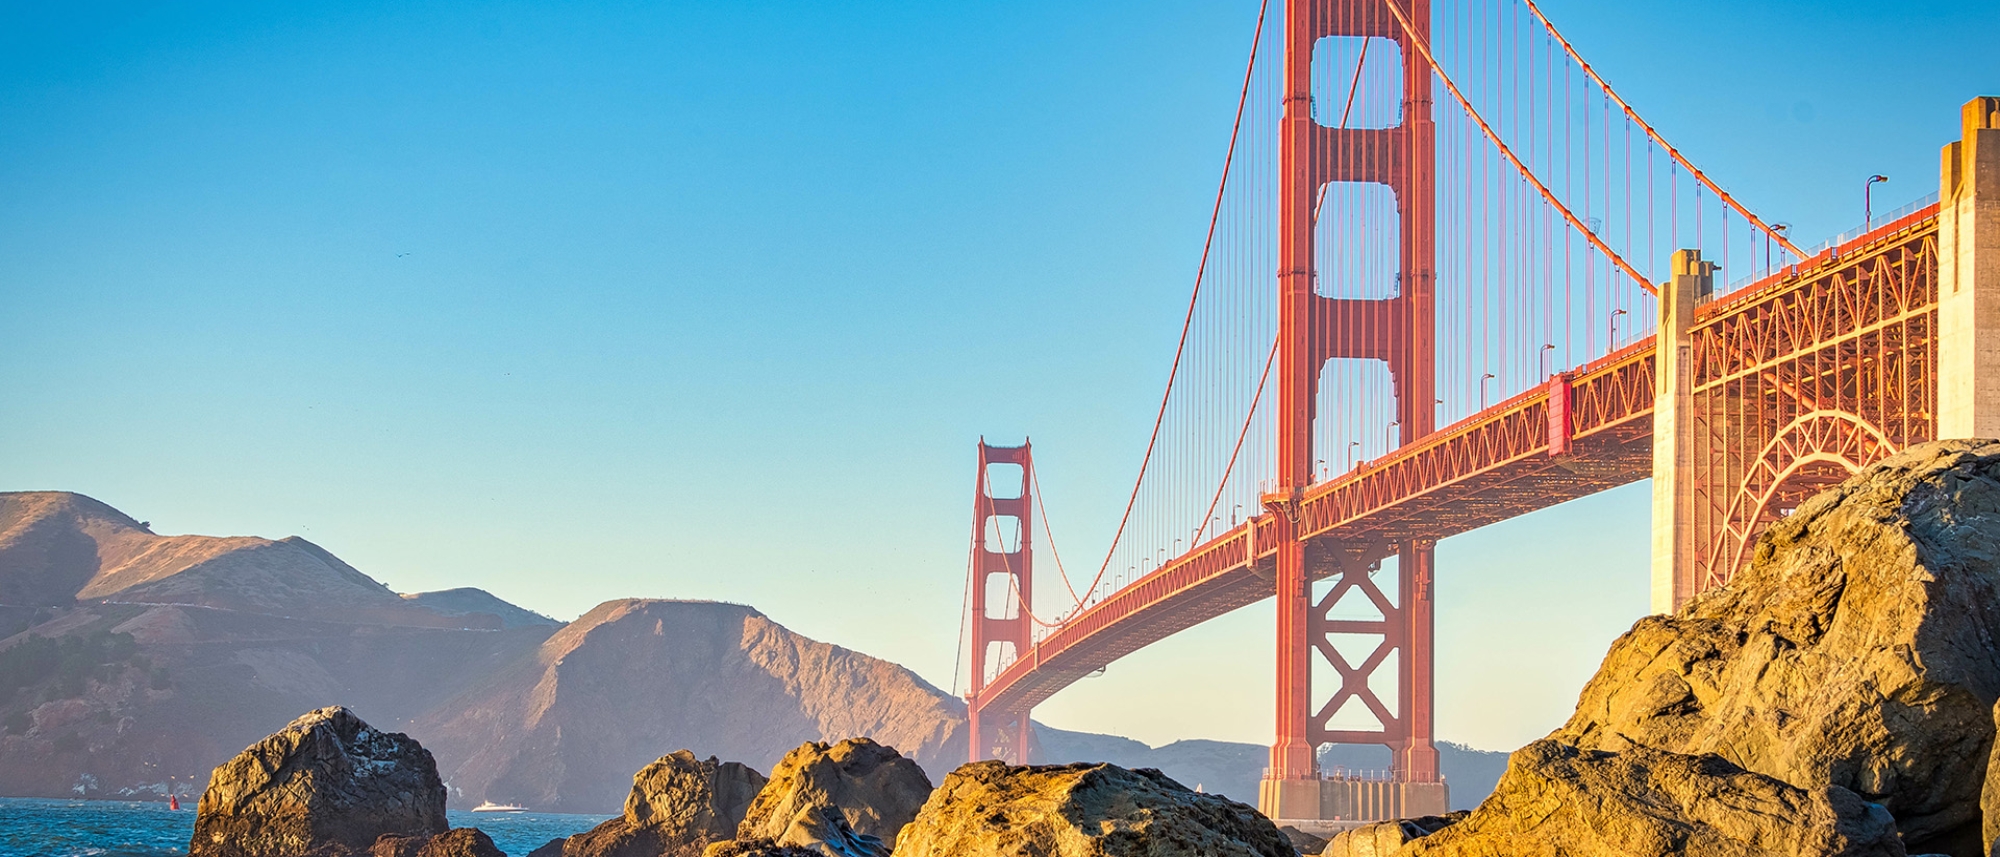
(1002, 592)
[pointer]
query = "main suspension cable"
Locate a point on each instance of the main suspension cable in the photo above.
(1201, 271)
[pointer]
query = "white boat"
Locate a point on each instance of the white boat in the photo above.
(490, 806)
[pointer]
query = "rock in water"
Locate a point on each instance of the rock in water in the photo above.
(1382, 838)
(456, 842)
(328, 783)
(1303, 842)
(1558, 800)
(991, 808)
(1857, 649)
(874, 788)
(678, 805)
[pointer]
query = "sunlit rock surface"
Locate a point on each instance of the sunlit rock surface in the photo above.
(991, 808)
(875, 789)
(325, 784)
(677, 807)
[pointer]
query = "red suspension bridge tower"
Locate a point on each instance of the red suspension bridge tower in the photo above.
(1002, 588)
(1398, 330)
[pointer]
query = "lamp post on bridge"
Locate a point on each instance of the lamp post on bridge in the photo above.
(1868, 200)
(1482, 389)
(1548, 348)
(1612, 336)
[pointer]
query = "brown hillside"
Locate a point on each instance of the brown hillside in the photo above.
(633, 679)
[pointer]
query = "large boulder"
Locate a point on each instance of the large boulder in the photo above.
(456, 842)
(1857, 649)
(326, 784)
(1382, 838)
(678, 805)
(991, 808)
(1556, 799)
(874, 788)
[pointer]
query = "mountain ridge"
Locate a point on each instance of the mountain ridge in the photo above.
(173, 652)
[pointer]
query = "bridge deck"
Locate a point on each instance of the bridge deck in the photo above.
(1482, 470)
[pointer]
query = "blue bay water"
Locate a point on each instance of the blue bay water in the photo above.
(34, 827)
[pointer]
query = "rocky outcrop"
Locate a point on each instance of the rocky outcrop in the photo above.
(757, 848)
(1989, 797)
(991, 808)
(677, 807)
(1858, 650)
(874, 788)
(1382, 838)
(1557, 799)
(457, 842)
(1302, 842)
(824, 831)
(325, 784)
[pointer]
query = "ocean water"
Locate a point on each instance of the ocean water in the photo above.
(34, 827)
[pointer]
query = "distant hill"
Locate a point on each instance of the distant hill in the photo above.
(466, 601)
(131, 661)
(565, 727)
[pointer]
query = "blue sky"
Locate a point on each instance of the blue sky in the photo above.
(712, 300)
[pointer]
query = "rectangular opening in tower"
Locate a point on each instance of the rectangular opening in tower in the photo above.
(1357, 242)
(1005, 481)
(1003, 534)
(1002, 597)
(1357, 82)
(1354, 415)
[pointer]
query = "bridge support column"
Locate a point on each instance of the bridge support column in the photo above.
(1673, 432)
(1002, 592)
(1416, 756)
(1968, 341)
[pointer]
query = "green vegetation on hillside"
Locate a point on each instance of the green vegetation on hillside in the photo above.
(69, 661)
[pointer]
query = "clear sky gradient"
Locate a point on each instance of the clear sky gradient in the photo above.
(574, 302)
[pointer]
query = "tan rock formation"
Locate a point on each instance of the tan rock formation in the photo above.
(1858, 650)
(325, 784)
(1383, 838)
(991, 808)
(1558, 800)
(456, 842)
(677, 807)
(873, 787)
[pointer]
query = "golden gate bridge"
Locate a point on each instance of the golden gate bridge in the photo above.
(1452, 277)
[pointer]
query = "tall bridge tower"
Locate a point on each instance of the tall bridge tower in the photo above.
(1313, 329)
(1002, 589)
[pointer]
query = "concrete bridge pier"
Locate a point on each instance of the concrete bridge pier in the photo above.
(1968, 339)
(1674, 431)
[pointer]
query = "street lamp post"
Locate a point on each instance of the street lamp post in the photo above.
(1868, 200)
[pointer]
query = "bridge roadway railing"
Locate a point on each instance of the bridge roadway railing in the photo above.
(1494, 465)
